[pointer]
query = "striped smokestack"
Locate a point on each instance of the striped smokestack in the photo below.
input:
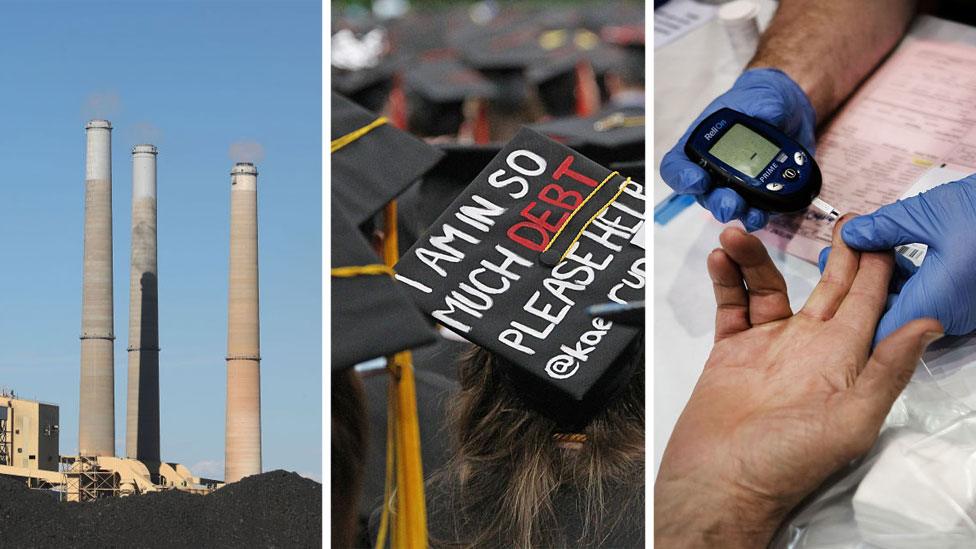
(96, 429)
(142, 403)
(243, 427)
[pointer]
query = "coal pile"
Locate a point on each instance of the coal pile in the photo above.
(277, 509)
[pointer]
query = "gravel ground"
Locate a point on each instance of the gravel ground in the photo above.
(275, 509)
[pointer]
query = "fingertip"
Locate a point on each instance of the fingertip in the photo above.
(692, 180)
(755, 219)
(721, 267)
(716, 258)
(922, 332)
(683, 175)
(730, 236)
(726, 204)
(822, 258)
(858, 232)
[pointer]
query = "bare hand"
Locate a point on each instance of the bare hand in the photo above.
(784, 400)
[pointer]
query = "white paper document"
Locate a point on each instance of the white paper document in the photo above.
(917, 111)
(679, 17)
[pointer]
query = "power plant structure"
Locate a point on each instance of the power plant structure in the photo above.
(142, 398)
(243, 439)
(96, 417)
(29, 430)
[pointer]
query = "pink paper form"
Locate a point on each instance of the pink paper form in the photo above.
(917, 111)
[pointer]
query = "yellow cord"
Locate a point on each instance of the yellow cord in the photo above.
(597, 214)
(354, 135)
(578, 208)
(404, 474)
(388, 483)
(361, 270)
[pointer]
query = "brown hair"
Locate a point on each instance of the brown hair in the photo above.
(348, 455)
(509, 482)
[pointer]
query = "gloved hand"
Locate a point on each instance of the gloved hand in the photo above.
(767, 94)
(944, 287)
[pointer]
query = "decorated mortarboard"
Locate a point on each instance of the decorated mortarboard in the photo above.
(513, 264)
(613, 135)
(372, 162)
(371, 314)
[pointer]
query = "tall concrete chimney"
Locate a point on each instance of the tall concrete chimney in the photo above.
(96, 429)
(243, 437)
(142, 403)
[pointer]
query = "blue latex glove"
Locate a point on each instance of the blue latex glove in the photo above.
(767, 94)
(944, 287)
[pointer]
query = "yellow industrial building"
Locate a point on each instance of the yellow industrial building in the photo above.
(29, 452)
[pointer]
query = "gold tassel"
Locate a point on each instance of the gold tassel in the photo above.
(404, 467)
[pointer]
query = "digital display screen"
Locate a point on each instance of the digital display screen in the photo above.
(744, 150)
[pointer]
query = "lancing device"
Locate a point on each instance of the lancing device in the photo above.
(769, 169)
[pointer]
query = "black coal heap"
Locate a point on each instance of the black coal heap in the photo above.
(273, 509)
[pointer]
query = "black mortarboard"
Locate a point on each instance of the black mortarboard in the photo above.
(371, 314)
(555, 79)
(598, 16)
(368, 88)
(446, 80)
(426, 200)
(534, 52)
(613, 135)
(513, 264)
(362, 64)
(436, 91)
(372, 162)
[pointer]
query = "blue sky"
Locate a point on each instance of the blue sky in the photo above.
(192, 77)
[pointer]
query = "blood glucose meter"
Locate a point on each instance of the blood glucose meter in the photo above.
(770, 170)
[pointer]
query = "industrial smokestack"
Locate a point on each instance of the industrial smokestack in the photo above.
(142, 404)
(243, 437)
(96, 430)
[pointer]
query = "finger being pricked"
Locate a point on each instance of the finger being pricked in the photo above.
(836, 279)
(768, 300)
(865, 302)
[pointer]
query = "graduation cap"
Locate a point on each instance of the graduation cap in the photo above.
(424, 30)
(613, 135)
(630, 39)
(437, 90)
(363, 66)
(599, 16)
(555, 79)
(371, 315)
(372, 162)
(539, 235)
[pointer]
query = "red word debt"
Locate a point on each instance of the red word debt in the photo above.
(538, 225)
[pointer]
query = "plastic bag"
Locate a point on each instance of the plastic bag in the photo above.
(917, 487)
